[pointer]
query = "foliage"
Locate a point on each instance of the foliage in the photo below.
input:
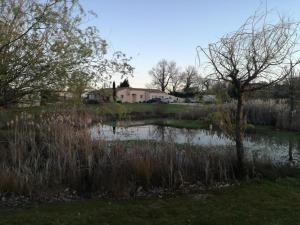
(48, 96)
(124, 83)
(43, 46)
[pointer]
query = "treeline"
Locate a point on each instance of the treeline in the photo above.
(169, 77)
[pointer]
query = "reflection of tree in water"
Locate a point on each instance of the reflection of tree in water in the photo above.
(291, 146)
(164, 134)
(189, 135)
(159, 133)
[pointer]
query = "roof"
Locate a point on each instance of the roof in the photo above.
(109, 91)
(142, 89)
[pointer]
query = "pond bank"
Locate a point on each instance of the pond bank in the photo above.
(255, 203)
(200, 124)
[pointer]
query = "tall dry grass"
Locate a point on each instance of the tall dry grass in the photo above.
(56, 153)
(271, 112)
(260, 112)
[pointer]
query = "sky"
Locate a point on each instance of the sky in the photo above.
(151, 30)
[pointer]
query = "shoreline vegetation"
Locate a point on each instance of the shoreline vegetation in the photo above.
(49, 159)
(214, 143)
(271, 115)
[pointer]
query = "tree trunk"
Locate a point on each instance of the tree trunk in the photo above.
(291, 103)
(114, 92)
(291, 146)
(239, 136)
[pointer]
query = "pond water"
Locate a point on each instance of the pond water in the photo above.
(277, 148)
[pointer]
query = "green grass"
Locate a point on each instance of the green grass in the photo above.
(188, 124)
(266, 203)
(139, 108)
(100, 109)
(275, 133)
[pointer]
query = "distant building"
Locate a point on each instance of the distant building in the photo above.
(209, 98)
(127, 95)
(132, 95)
(102, 95)
(65, 95)
(30, 100)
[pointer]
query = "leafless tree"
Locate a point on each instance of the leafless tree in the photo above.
(251, 58)
(190, 78)
(163, 73)
(176, 82)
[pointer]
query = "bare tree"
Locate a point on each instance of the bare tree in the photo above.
(250, 59)
(190, 78)
(176, 82)
(162, 74)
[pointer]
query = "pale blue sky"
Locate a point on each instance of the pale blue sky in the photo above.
(171, 29)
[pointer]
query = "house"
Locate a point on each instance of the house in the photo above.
(209, 98)
(127, 94)
(65, 95)
(132, 95)
(30, 100)
(98, 96)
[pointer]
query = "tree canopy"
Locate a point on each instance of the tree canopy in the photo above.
(43, 45)
(124, 83)
(163, 73)
(252, 58)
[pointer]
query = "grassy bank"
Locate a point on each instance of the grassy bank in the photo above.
(276, 133)
(108, 111)
(188, 124)
(268, 113)
(266, 203)
(139, 107)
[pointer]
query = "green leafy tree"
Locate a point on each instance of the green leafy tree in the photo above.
(43, 46)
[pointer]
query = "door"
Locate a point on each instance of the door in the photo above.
(133, 97)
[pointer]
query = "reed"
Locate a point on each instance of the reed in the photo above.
(56, 152)
(273, 113)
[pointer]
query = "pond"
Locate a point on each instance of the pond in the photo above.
(275, 146)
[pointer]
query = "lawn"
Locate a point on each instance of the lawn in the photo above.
(139, 108)
(177, 123)
(265, 203)
(100, 109)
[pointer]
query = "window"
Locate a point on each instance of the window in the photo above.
(141, 96)
(122, 96)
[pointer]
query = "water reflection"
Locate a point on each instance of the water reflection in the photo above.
(277, 149)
